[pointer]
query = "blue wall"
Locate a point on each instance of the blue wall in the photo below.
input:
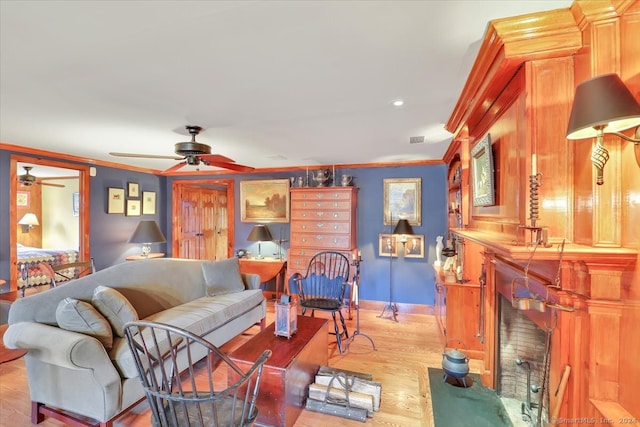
(412, 278)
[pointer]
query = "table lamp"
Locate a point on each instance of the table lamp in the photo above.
(147, 233)
(260, 233)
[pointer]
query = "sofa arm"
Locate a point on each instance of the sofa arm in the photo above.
(251, 281)
(69, 371)
(62, 348)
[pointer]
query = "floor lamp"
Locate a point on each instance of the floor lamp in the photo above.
(403, 228)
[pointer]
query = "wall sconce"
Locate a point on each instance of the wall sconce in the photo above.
(602, 105)
(28, 221)
(260, 233)
(147, 232)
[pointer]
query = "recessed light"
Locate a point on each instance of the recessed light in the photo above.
(398, 103)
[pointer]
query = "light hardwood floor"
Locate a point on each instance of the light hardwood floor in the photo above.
(404, 352)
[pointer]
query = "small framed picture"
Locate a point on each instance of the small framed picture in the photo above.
(414, 248)
(133, 189)
(148, 203)
(22, 200)
(133, 207)
(115, 203)
(387, 245)
(75, 203)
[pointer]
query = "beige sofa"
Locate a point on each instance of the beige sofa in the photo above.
(74, 372)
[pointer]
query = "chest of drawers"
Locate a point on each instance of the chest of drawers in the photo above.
(322, 219)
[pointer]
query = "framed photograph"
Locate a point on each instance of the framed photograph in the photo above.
(133, 189)
(133, 207)
(414, 248)
(75, 203)
(22, 200)
(387, 245)
(264, 200)
(148, 203)
(482, 173)
(115, 202)
(402, 200)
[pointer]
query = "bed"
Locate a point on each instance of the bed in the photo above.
(29, 259)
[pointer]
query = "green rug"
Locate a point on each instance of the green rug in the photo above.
(456, 406)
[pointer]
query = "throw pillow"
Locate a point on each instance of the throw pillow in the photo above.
(80, 316)
(115, 307)
(222, 277)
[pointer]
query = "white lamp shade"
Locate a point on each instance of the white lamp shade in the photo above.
(29, 219)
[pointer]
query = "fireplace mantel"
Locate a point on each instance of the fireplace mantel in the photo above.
(591, 271)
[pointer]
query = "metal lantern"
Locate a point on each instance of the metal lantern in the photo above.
(286, 317)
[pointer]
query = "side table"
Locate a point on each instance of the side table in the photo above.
(267, 269)
(8, 354)
(139, 257)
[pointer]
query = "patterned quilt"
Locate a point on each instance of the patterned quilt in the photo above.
(29, 259)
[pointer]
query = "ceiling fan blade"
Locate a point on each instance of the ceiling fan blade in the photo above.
(229, 165)
(145, 156)
(50, 184)
(215, 158)
(175, 167)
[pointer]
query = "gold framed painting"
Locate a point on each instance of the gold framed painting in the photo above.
(402, 200)
(264, 200)
(115, 201)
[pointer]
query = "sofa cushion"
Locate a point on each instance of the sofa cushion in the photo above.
(115, 307)
(80, 316)
(222, 277)
(199, 316)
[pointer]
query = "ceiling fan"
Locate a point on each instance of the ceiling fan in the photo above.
(193, 153)
(27, 180)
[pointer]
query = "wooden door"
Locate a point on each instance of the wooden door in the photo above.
(203, 220)
(189, 239)
(221, 226)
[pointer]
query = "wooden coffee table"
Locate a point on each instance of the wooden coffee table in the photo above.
(287, 374)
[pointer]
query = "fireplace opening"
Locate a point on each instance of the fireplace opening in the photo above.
(521, 363)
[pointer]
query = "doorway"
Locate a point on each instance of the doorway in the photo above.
(77, 203)
(203, 212)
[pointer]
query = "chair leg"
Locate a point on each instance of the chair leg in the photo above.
(337, 331)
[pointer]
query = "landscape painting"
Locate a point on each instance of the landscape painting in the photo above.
(264, 200)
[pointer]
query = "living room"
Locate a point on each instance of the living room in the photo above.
(519, 91)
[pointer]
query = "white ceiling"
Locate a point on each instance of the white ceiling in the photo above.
(273, 83)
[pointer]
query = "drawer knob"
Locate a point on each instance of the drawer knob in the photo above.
(320, 224)
(320, 213)
(335, 214)
(336, 227)
(304, 227)
(318, 237)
